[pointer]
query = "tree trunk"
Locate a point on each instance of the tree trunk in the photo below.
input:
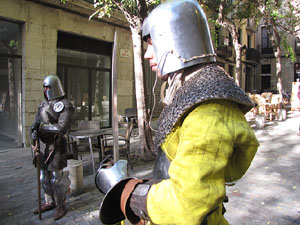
(231, 27)
(238, 63)
(277, 54)
(145, 133)
(276, 39)
(146, 150)
(278, 69)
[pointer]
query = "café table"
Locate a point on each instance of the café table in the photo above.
(90, 134)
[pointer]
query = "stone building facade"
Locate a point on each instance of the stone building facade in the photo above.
(45, 37)
(42, 37)
(267, 65)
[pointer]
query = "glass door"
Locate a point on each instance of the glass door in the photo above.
(101, 90)
(89, 91)
(10, 84)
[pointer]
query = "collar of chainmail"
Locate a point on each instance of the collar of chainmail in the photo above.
(209, 82)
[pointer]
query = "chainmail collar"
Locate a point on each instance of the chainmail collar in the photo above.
(209, 82)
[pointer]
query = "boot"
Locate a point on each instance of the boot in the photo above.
(60, 212)
(45, 207)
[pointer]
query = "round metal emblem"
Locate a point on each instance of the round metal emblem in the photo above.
(58, 106)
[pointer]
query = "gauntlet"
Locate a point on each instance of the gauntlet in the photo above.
(125, 196)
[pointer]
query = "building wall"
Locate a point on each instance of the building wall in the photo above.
(287, 66)
(39, 57)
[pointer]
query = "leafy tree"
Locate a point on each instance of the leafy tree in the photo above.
(135, 12)
(280, 17)
(220, 10)
(230, 14)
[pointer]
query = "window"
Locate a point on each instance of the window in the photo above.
(230, 40)
(84, 66)
(231, 70)
(266, 45)
(10, 81)
(249, 80)
(265, 83)
(249, 41)
(240, 36)
(297, 71)
(266, 77)
(266, 69)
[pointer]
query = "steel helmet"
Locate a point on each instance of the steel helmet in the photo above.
(56, 90)
(180, 35)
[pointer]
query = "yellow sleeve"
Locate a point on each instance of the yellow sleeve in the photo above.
(197, 172)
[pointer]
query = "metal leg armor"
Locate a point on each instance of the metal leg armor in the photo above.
(60, 183)
(45, 178)
(59, 187)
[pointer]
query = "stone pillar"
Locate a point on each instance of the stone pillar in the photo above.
(76, 176)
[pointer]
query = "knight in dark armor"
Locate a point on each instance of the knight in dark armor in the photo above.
(203, 139)
(52, 122)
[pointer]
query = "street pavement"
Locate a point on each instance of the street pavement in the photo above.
(268, 194)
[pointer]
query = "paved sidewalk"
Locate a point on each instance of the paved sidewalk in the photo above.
(267, 194)
(270, 191)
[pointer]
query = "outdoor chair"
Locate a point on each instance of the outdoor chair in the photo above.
(130, 114)
(124, 143)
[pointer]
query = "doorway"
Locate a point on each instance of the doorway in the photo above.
(10, 85)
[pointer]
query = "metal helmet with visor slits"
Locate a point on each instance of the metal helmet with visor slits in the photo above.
(52, 87)
(180, 35)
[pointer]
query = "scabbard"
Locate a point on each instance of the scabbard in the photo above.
(38, 169)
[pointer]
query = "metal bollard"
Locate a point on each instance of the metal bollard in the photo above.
(260, 121)
(76, 176)
(281, 114)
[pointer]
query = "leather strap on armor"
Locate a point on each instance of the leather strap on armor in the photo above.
(129, 187)
(138, 198)
(134, 200)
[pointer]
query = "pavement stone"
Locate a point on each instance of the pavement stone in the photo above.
(267, 194)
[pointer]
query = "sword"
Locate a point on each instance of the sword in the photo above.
(114, 102)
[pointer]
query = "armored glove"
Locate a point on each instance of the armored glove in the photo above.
(35, 131)
(125, 196)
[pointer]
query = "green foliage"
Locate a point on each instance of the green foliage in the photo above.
(289, 51)
(244, 10)
(129, 7)
(13, 44)
(211, 4)
(284, 19)
(104, 8)
(214, 37)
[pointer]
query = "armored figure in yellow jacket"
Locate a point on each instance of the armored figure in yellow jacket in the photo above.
(203, 139)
